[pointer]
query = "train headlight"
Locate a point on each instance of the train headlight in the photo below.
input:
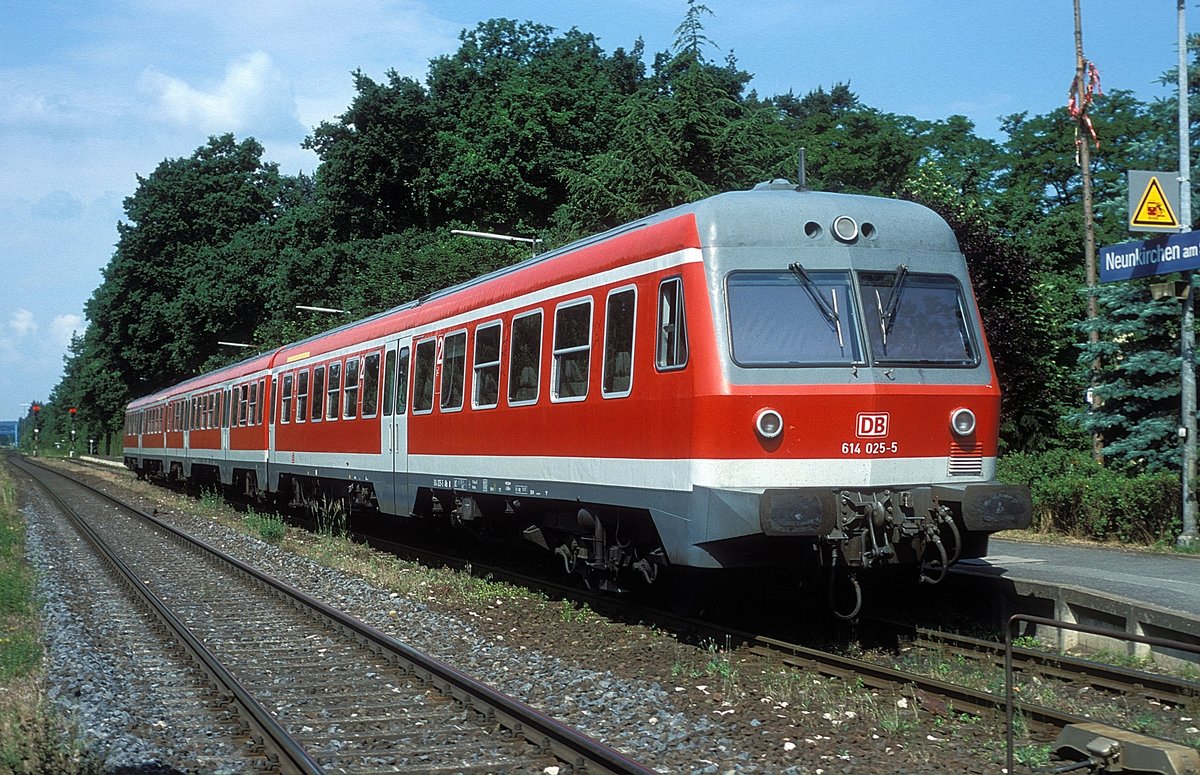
(962, 422)
(845, 228)
(768, 423)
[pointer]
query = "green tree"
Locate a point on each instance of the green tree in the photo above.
(851, 147)
(1021, 326)
(146, 318)
(1139, 385)
(375, 158)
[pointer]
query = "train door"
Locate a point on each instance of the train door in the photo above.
(395, 420)
(223, 456)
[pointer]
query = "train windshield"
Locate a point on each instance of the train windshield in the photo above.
(917, 319)
(792, 318)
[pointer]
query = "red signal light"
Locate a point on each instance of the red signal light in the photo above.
(36, 408)
(72, 410)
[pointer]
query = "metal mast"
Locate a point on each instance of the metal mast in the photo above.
(1187, 332)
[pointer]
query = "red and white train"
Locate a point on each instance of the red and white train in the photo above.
(772, 378)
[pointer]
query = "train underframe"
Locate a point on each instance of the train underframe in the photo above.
(825, 534)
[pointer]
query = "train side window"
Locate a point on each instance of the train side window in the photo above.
(285, 399)
(244, 404)
(402, 381)
(618, 343)
(423, 371)
(263, 399)
(525, 359)
(389, 382)
(485, 380)
(370, 396)
(350, 394)
(254, 414)
(572, 351)
(302, 395)
(333, 392)
(225, 408)
(672, 352)
(318, 399)
(454, 371)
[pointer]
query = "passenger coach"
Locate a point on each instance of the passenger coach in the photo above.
(768, 378)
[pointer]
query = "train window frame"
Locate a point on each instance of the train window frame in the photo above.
(910, 281)
(302, 395)
(402, 364)
(285, 398)
(424, 356)
(370, 385)
(671, 350)
(351, 387)
(244, 405)
(481, 370)
(318, 404)
(607, 375)
(333, 390)
(389, 382)
(454, 367)
(516, 372)
(849, 321)
(254, 402)
(563, 355)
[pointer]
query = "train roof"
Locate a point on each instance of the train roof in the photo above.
(253, 364)
(771, 213)
(774, 213)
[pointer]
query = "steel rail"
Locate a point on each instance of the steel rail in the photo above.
(964, 699)
(291, 756)
(569, 745)
(1164, 688)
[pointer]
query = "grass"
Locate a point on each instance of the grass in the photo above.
(268, 527)
(30, 732)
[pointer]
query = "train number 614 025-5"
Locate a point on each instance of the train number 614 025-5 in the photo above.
(870, 448)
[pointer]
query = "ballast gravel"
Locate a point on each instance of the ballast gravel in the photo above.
(674, 707)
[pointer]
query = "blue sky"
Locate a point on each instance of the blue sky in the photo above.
(94, 94)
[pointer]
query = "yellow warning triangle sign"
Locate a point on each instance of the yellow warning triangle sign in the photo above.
(1153, 208)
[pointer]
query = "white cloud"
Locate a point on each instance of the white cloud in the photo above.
(253, 96)
(62, 328)
(22, 323)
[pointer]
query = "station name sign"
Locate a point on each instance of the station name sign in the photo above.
(1147, 258)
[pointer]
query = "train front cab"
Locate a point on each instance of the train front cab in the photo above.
(855, 423)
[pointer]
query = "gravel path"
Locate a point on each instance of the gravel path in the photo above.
(675, 707)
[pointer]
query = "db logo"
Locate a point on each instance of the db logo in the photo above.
(872, 425)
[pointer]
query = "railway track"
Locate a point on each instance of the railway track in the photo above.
(1161, 688)
(938, 695)
(311, 689)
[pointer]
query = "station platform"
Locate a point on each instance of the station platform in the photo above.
(1137, 592)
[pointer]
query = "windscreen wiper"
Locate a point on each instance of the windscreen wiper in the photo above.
(830, 311)
(888, 315)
